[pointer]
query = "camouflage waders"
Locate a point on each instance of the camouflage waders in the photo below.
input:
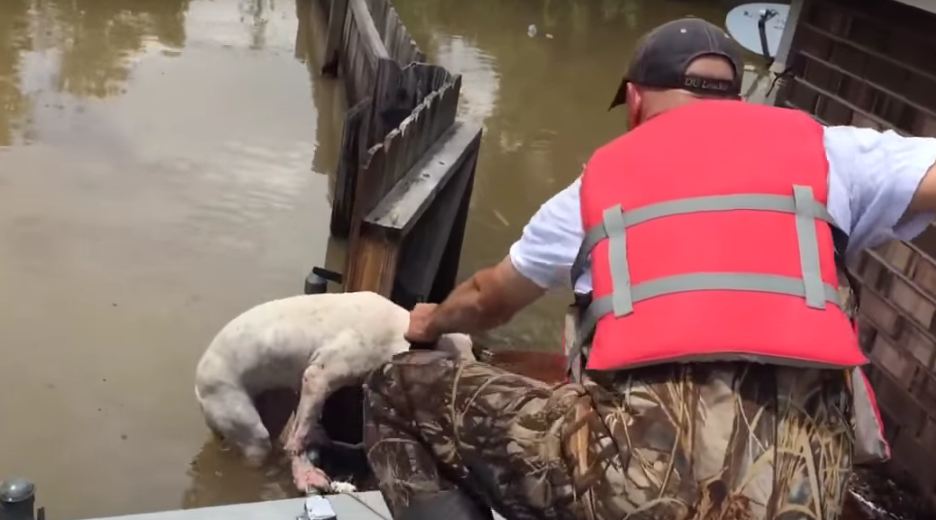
(703, 441)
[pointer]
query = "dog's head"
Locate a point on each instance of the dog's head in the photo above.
(457, 344)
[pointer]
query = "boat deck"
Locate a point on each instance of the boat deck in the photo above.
(357, 506)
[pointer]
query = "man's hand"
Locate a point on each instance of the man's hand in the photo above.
(421, 328)
(488, 299)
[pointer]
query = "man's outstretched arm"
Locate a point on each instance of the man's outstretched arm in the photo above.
(488, 299)
(539, 261)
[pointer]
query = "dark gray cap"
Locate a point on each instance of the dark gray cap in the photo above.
(664, 54)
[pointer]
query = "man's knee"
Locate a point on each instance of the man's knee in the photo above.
(389, 378)
(378, 381)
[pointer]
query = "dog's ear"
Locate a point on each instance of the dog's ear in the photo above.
(458, 344)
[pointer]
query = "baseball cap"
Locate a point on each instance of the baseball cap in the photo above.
(664, 54)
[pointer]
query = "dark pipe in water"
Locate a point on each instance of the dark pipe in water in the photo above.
(17, 500)
(317, 281)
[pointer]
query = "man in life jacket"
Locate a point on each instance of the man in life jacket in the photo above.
(712, 373)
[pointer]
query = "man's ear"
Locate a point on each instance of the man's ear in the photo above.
(634, 105)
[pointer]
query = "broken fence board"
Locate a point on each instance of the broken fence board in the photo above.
(399, 211)
(422, 128)
(387, 82)
(362, 50)
(396, 38)
(349, 164)
(389, 161)
(432, 248)
(368, 32)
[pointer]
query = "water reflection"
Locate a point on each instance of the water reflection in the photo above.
(99, 39)
(81, 47)
(255, 12)
(156, 179)
(219, 477)
(14, 39)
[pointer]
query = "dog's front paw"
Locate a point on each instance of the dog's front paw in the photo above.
(308, 478)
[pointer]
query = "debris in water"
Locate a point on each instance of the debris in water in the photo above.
(501, 218)
(103, 379)
(549, 36)
(113, 305)
(123, 436)
(531, 30)
(874, 496)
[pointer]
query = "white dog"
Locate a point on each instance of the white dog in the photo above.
(312, 344)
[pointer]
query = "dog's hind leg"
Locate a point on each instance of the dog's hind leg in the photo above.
(231, 414)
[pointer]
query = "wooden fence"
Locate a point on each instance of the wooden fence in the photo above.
(870, 64)
(406, 166)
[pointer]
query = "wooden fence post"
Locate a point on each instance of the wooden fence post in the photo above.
(419, 223)
(385, 112)
(333, 41)
(447, 273)
(373, 265)
(353, 153)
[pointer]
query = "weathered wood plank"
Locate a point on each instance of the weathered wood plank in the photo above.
(362, 50)
(405, 204)
(367, 191)
(431, 251)
(337, 11)
(390, 159)
(353, 150)
(386, 111)
(411, 106)
(397, 40)
(367, 31)
(447, 272)
(373, 264)
(417, 132)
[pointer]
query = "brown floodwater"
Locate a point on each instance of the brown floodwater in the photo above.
(164, 164)
(162, 167)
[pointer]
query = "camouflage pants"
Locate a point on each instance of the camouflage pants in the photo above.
(703, 441)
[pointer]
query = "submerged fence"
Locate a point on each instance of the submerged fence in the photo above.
(406, 166)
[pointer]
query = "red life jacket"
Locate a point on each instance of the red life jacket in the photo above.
(709, 239)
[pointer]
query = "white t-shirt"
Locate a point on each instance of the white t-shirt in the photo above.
(872, 178)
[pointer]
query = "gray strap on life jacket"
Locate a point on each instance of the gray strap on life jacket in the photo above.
(617, 256)
(624, 295)
(808, 246)
(775, 284)
(753, 202)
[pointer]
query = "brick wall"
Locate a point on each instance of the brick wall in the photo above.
(871, 63)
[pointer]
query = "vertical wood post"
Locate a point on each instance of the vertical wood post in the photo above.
(353, 152)
(333, 42)
(447, 274)
(385, 94)
(373, 264)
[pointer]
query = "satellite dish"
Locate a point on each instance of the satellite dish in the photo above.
(758, 26)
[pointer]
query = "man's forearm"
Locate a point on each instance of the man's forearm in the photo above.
(486, 300)
(470, 308)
